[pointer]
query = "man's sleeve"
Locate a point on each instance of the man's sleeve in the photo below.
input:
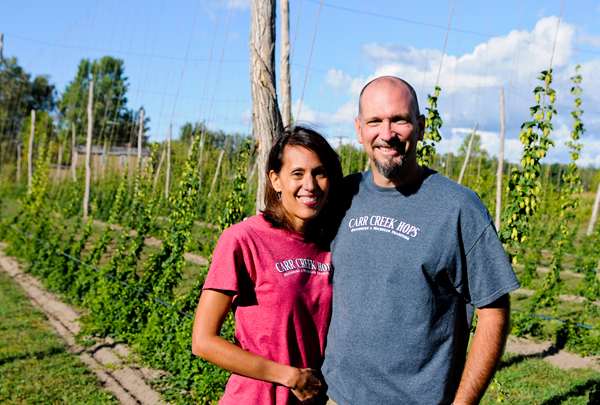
(489, 274)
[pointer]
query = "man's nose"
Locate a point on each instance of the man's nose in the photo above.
(386, 132)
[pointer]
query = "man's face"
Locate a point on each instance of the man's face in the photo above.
(388, 129)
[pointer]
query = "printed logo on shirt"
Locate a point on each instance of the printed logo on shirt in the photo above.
(384, 224)
(294, 266)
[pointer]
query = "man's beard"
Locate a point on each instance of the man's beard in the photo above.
(389, 169)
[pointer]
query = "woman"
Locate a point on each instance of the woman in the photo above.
(274, 271)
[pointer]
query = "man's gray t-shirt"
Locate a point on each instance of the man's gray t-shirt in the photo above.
(409, 263)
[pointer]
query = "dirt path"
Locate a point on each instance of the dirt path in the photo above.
(551, 354)
(152, 241)
(107, 359)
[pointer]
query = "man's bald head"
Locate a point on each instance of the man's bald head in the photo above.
(392, 80)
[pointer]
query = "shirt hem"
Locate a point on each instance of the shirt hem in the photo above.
(491, 298)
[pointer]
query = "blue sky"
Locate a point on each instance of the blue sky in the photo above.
(189, 61)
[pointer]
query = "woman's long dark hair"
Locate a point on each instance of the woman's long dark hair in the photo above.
(274, 212)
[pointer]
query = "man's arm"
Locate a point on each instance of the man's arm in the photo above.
(485, 351)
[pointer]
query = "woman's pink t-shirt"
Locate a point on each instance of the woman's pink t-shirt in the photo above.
(281, 302)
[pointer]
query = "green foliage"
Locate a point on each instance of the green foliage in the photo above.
(568, 205)
(433, 123)
(528, 380)
(20, 95)
(112, 120)
(234, 206)
(524, 185)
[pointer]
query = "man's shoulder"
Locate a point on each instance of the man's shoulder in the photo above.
(453, 192)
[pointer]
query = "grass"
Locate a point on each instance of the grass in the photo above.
(526, 380)
(34, 365)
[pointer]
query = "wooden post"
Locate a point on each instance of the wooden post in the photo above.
(59, 164)
(30, 152)
(162, 158)
(140, 134)
(104, 158)
(19, 163)
(594, 217)
(168, 175)
(200, 157)
(73, 152)
(88, 153)
(212, 186)
(499, 171)
(466, 162)
(266, 119)
(129, 161)
(285, 86)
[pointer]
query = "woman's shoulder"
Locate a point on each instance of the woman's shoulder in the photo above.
(248, 227)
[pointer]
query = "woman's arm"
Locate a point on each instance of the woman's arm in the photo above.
(208, 344)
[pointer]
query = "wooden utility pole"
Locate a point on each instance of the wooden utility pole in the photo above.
(168, 175)
(499, 171)
(140, 135)
(466, 162)
(73, 152)
(594, 217)
(285, 86)
(88, 153)
(30, 152)
(212, 186)
(266, 119)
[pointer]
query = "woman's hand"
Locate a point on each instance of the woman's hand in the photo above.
(306, 385)
(208, 344)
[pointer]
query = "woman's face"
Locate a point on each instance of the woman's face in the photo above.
(303, 184)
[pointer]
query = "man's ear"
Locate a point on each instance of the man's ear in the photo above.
(421, 127)
(274, 181)
(358, 133)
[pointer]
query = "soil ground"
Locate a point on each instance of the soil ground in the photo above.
(109, 360)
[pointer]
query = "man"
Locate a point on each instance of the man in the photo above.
(414, 254)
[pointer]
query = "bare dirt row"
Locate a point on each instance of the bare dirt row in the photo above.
(110, 361)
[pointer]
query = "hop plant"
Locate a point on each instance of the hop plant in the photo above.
(433, 123)
(524, 184)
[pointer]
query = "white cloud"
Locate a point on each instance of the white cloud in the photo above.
(470, 87)
(337, 80)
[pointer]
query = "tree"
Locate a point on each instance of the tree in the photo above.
(20, 95)
(113, 122)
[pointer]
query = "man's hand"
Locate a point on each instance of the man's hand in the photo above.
(485, 351)
(307, 385)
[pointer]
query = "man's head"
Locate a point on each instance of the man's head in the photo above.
(389, 126)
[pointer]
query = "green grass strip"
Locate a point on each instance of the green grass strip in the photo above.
(34, 365)
(528, 380)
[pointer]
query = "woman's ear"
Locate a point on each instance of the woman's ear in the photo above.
(274, 181)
